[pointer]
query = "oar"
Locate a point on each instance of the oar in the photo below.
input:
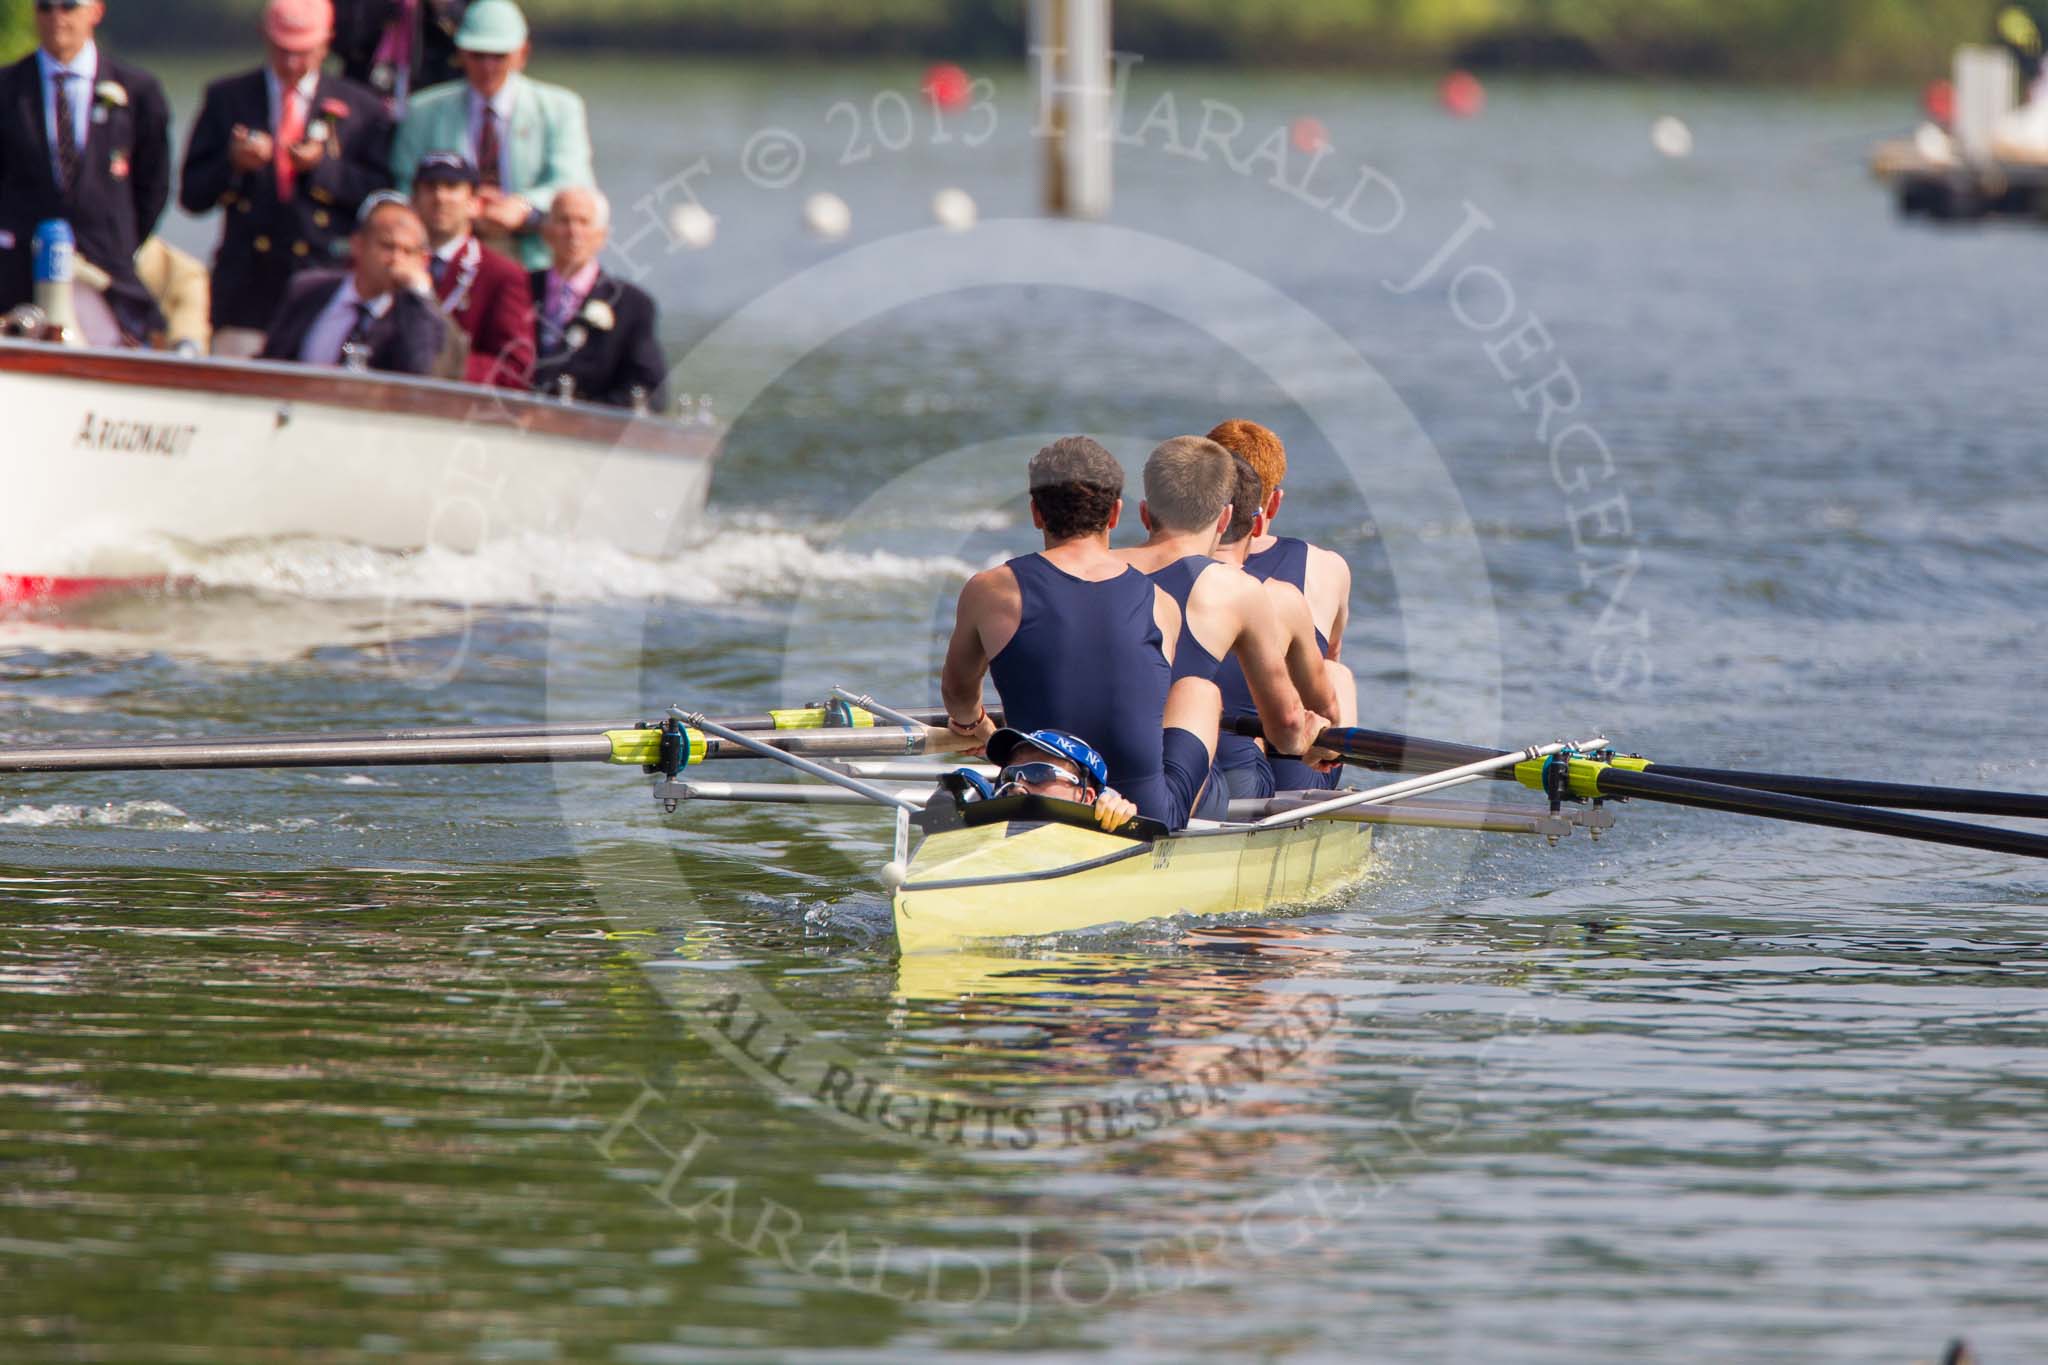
(793, 718)
(1906, 796)
(1382, 750)
(1625, 777)
(630, 747)
(1591, 778)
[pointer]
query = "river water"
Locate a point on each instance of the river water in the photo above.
(441, 1065)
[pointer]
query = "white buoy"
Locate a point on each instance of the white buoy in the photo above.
(827, 216)
(1671, 137)
(955, 210)
(693, 225)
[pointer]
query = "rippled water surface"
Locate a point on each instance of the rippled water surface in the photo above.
(445, 1065)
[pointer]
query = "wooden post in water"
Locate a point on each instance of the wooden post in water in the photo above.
(1070, 49)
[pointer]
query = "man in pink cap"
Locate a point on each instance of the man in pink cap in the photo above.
(289, 156)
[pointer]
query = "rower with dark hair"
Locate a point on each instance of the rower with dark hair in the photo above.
(1075, 638)
(1228, 620)
(1321, 577)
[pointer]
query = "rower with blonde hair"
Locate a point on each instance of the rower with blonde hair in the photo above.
(1227, 616)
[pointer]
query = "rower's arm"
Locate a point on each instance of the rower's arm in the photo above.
(1332, 575)
(1261, 651)
(982, 604)
(1305, 666)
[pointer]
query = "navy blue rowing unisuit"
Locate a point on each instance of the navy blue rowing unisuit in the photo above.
(1088, 658)
(1177, 580)
(1197, 786)
(1245, 767)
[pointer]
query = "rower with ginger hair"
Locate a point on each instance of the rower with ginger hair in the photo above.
(1322, 578)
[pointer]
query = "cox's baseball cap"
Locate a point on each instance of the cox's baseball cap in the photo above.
(1005, 743)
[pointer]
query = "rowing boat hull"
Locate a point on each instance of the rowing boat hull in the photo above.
(1018, 879)
(109, 453)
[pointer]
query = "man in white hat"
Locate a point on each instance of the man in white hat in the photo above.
(526, 139)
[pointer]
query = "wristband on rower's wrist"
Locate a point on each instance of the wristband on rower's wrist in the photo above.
(967, 727)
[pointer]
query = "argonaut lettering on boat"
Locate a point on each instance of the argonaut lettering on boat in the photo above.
(136, 438)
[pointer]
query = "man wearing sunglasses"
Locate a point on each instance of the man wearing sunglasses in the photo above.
(84, 138)
(1059, 766)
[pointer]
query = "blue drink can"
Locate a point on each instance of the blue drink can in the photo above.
(56, 252)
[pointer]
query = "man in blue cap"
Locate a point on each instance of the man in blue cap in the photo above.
(527, 140)
(1063, 767)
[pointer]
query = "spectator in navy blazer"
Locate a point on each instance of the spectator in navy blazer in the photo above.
(381, 315)
(103, 163)
(594, 334)
(288, 155)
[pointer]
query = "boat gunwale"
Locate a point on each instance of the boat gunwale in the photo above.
(375, 392)
(1136, 848)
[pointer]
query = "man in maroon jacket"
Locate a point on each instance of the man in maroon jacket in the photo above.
(486, 294)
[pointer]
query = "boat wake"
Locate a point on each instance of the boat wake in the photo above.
(748, 562)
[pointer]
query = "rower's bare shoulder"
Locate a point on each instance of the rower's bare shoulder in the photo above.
(992, 587)
(1229, 582)
(1289, 603)
(1330, 563)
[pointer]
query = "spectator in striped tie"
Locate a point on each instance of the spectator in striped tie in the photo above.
(96, 153)
(288, 156)
(380, 315)
(595, 335)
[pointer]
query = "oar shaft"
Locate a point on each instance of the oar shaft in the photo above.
(1804, 810)
(1901, 795)
(1391, 752)
(629, 746)
(1383, 750)
(310, 753)
(794, 719)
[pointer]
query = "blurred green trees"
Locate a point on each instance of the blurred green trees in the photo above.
(17, 29)
(1799, 39)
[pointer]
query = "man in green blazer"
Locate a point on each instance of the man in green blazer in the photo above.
(526, 139)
